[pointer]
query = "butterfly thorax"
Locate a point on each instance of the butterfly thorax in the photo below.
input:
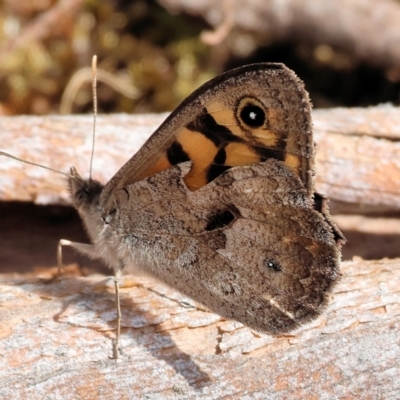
(85, 195)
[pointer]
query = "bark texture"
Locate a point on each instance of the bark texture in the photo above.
(357, 154)
(56, 342)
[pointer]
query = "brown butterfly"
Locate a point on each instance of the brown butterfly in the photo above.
(219, 203)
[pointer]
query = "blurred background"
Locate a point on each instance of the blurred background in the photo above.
(155, 53)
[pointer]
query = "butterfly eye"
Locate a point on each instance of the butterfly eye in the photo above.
(252, 115)
(82, 195)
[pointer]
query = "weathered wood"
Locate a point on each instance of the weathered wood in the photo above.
(55, 337)
(358, 153)
(357, 157)
(56, 342)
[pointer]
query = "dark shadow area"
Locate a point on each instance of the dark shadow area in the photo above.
(370, 246)
(29, 237)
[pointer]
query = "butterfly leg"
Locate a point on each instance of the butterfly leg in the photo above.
(84, 248)
(90, 250)
(117, 276)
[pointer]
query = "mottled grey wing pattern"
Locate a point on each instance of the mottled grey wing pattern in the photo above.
(249, 245)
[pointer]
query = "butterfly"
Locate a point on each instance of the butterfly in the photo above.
(219, 203)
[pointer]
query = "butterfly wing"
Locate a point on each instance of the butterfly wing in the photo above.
(249, 245)
(242, 117)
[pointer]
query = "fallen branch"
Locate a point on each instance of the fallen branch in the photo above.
(56, 341)
(357, 154)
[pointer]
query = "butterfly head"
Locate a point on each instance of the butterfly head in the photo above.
(85, 193)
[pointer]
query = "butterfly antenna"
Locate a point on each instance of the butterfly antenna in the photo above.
(2, 153)
(94, 90)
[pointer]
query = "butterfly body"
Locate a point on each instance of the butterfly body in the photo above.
(219, 203)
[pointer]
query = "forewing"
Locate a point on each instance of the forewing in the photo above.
(242, 117)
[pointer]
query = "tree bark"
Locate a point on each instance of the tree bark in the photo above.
(56, 342)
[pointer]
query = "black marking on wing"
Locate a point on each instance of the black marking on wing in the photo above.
(221, 136)
(176, 154)
(266, 153)
(222, 218)
(320, 205)
(215, 170)
(218, 134)
(220, 157)
(319, 202)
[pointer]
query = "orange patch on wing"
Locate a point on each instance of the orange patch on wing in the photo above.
(195, 181)
(265, 137)
(160, 165)
(224, 115)
(201, 151)
(238, 154)
(293, 162)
